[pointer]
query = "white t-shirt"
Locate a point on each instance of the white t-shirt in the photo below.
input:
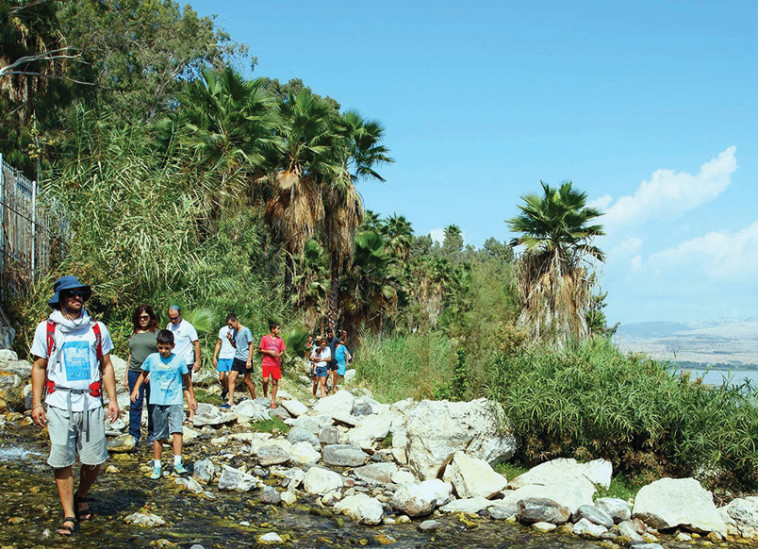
(227, 350)
(184, 337)
(74, 363)
(321, 361)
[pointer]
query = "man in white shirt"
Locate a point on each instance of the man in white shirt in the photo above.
(223, 354)
(186, 343)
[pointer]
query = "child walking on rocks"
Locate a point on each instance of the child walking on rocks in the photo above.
(166, 371)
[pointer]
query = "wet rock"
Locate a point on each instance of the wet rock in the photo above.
(270, 495)
(251, 410)
(204, 471)
(303, 453)
(741, 517)
(593, 514)
(435, 430)
(361, 508)
(586, 527)
(502, 509)
(208, 414)
(235, 480)
(344, 455)
(669, 503)
(339, 404)
(145, 520)
(123, 443)
(646, 546)
(428, 526)
(376, 473)
(544, 526)
(467, 505)
(292, 478)
(190, 484)
(270, 538)
(288, 498)
(330, 435)
(271, 455)
(628, 529)
(295, 407)
(472, 477)
(319, 481)
(420, 499)
(617, 508)
(532, 510)
(301, 434)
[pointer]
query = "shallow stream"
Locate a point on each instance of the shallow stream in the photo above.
(29, 513)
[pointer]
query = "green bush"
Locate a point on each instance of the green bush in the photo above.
(593, 401)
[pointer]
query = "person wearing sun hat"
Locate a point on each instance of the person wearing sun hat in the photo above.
(72, 363)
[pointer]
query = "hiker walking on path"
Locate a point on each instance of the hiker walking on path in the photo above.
(321, 356)
(272, 346)
(71, 363)
(186, 342)
(142, 344)
(342, 357)
(223, 354)
(243, 360)
(169, 377)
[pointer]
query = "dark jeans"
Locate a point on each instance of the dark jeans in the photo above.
(135, 410)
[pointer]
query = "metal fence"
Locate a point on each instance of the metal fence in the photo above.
(25, 236)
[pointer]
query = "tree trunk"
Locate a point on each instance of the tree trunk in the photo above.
(334, 291)
(289, 269)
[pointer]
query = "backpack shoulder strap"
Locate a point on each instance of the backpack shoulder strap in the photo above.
(98, 339)
(50, 338)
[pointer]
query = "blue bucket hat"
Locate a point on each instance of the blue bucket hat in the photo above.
(68, 282)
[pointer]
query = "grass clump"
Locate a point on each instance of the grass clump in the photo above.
(203, 395)
(273, 425)
(593, 401)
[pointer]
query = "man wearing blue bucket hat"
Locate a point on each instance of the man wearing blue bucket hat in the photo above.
(71, 364)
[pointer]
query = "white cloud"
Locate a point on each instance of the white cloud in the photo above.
(438, 235)
(719, 256)
(669, 193)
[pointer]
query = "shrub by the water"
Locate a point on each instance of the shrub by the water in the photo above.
(593, 401)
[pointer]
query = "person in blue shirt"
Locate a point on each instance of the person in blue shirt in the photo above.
(342, 357)
(167, 372)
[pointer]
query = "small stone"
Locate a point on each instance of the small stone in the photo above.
(428, 526)
(111, 469)
(544, 526)
(681, 536)
(384, 539)
(244, 523)
(269, 538)
(270, 495)
(145, 519)
(288, 498)
(586, 527)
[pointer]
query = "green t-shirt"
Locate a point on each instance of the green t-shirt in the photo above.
(141, 346)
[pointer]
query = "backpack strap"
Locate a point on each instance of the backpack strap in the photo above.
(98, 340)
(50, 337)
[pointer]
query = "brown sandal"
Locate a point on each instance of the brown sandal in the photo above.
(64, 530)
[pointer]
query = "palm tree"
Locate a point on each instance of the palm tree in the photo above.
(311, 282)
(358, 150)
(399, 233)
(554, 281)
(295, 207)
(228, 125)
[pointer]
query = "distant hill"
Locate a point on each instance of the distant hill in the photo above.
(724, 343)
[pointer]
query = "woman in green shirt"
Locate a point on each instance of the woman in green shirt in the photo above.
(141, 344)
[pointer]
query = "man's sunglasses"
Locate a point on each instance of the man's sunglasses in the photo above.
(72, 293)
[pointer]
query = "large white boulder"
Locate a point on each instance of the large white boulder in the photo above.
(250, 410)
(472, 477)
(562, 470)
(208, 414)
(671, 503)
(741, 517)
(234, 479)
(419, 499)
(435, 430)
(370, 429)
(337, 405)
(294, 407)
(319, 481)
(303, 453)
(572, 494)
(468, 505)
(362, 508)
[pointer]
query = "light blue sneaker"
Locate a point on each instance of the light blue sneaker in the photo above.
(156, 474)
(179, 469)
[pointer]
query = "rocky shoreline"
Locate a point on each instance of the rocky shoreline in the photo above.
(380, 464)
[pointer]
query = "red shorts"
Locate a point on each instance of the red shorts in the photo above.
(273, 371)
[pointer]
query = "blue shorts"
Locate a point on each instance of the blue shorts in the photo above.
(320, 371)
(224, 364)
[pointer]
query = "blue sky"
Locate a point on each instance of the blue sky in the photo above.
(648, 107)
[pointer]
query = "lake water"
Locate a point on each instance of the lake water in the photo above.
(717, 377)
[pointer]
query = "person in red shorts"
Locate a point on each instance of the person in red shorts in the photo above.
(272, 347)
